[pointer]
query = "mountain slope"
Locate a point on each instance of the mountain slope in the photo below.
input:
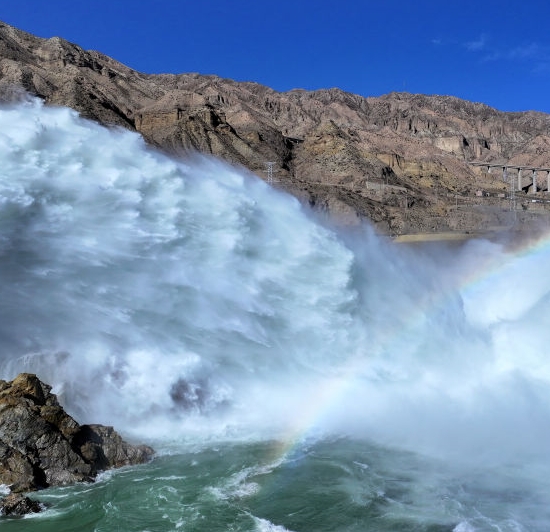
(400, 160)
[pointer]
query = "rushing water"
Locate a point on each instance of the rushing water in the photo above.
(291, 376)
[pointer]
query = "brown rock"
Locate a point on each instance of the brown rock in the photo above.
(400, 160)
(16, 470)
(41, 445)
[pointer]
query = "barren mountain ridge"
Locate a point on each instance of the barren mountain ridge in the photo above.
(399, 160)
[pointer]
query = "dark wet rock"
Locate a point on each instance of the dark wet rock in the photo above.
(42, 446)
(18, 504)
(104, 448)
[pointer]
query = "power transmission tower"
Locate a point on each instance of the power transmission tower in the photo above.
(269, 165)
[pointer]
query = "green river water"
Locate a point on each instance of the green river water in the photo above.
(328, 485)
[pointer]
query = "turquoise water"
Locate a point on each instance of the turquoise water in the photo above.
(336, 484)
(291, 375)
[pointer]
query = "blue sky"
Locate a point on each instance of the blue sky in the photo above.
(495, 52)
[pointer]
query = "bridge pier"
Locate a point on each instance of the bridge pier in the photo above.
(517, 185)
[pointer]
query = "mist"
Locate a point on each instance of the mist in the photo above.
(186, 298)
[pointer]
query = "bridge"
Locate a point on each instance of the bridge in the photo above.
(519, 168)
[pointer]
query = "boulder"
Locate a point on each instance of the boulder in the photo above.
(41, 445)
(17, 504)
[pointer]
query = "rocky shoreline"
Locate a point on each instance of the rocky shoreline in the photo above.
(42, 446)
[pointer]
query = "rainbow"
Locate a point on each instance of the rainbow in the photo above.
(499, 263)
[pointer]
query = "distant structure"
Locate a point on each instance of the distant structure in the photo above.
(520, 169)
(269, 166)
(517, 184)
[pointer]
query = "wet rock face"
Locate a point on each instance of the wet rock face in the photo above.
(16, 504)
(42, 446)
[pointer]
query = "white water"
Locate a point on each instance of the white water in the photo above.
(171, 298)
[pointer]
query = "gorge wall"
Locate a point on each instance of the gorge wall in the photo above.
(399, 160)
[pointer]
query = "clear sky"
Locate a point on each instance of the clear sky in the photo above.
(491, 51)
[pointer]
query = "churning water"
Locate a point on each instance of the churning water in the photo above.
(291, 376)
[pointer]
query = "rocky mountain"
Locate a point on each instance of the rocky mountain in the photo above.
(400, 160)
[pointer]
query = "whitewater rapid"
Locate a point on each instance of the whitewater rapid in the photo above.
(175, 297)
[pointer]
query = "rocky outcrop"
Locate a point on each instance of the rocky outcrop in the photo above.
(42, 446)
(17, 504)
(399, 160)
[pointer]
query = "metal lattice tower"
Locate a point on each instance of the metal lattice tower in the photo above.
(269, 165)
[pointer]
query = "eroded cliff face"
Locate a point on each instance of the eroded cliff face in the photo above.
(400, 160)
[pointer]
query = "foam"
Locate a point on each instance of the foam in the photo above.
(187, 299)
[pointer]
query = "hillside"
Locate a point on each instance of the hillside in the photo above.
(399, 160)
